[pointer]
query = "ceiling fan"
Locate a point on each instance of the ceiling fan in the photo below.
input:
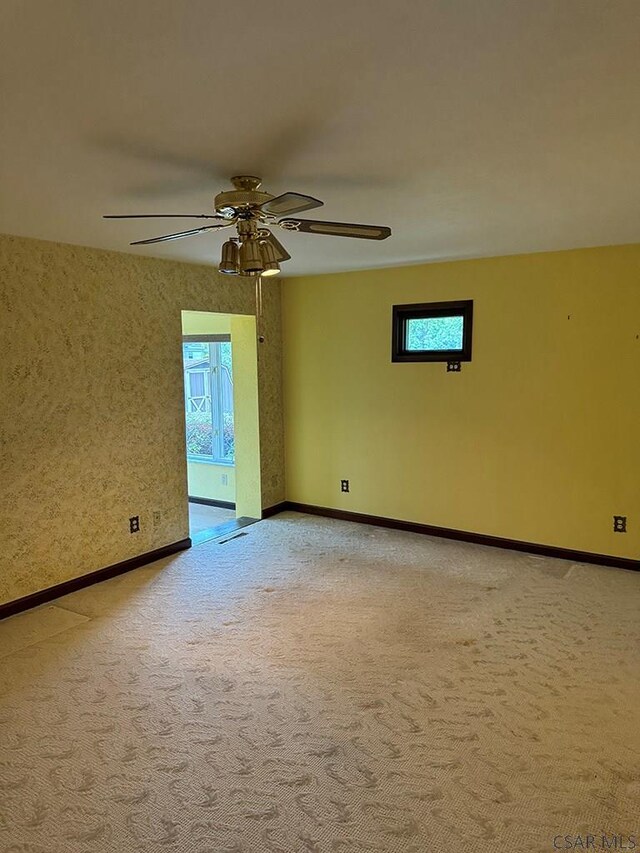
(255, 250)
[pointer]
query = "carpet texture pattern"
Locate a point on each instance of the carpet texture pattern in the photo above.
(316, 686)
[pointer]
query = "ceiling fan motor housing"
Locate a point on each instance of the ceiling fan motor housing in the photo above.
(242, 200)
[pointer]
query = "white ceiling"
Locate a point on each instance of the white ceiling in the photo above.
(471, 127)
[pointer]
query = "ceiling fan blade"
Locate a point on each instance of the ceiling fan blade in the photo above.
(286, 203)
(161, 216)
(336, 229)
(180, 234)
(278, 248)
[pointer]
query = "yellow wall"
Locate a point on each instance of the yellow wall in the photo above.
(207, 480)
(246, 424)
(92, 404)
(205, 323)
(538, 438)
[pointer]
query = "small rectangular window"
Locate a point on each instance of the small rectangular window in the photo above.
(432, 331)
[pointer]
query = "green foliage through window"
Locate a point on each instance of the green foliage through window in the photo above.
(434, 333)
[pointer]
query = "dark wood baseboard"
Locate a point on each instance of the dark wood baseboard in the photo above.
(10, 608)
(74, 584)
(466, 536)
(268, 511)
(212, 502)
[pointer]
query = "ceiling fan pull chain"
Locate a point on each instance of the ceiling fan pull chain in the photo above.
(259, 309)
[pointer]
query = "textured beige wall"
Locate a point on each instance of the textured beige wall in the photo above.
(91, 404)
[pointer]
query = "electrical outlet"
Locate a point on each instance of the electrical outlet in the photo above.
(344, 485)
(619, 523)
(224, 479)
(157, 518)
(134, 524)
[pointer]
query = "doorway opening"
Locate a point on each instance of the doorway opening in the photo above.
(219, 360)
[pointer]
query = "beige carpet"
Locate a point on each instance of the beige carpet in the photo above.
(321, 687)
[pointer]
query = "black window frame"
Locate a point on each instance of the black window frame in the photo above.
(426, 311)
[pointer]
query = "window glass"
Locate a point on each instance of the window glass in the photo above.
(434, 333)
(208, 383)
(196, 384)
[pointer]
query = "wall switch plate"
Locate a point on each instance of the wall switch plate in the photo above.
(134, 524)
(619, 523)
(344, 485)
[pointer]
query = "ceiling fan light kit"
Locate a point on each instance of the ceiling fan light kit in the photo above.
(250, 257)
(269, 261)
(256, 251)
(230, 264)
